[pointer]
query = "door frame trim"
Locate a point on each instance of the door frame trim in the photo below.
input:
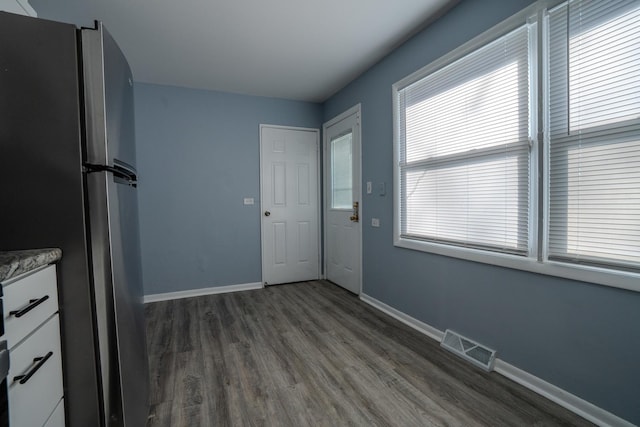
(318, 191)
(356, 109)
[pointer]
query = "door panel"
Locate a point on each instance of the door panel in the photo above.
(303, 184)
(279, 188)
(342, 172)
(290, 208)
(279, 243)
(303, 241)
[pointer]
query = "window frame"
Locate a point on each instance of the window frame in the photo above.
(537, 260)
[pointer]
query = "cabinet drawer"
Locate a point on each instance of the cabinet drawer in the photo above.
(57, 418)
(32, 402)
(26, 292)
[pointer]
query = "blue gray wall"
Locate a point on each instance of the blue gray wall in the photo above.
(581, 337)
(198, 157)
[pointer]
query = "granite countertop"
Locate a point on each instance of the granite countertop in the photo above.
(14, 263)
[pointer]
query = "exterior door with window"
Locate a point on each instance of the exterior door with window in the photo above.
(290, 206)
(342, 213)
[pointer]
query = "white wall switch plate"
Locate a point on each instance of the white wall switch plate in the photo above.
(248, 200)
(375, 222)
(369, 187)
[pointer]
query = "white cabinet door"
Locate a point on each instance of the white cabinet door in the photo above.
(35, 376)
(28, 302)
(57, 418)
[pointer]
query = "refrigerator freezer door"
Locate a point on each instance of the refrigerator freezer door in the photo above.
(109, 100)
(113, 220)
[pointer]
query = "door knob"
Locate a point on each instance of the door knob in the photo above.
(267, 213)
(356, 212)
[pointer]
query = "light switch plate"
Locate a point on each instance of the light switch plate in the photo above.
(248, 200)
(382, 188)
(369, 187)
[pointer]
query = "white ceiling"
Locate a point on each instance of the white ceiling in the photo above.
(294, 49)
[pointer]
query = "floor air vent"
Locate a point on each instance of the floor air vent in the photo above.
(469, 350)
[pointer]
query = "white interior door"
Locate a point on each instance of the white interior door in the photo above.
(290, 207)
(343, 230)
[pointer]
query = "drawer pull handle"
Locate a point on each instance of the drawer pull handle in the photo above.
(40, 361)
(33, 303)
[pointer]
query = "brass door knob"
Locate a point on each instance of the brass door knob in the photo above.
(356, 212)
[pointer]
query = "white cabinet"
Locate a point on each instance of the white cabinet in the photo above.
(35, 376)
(57, 418)
(36, 295)
(32, 330)
(21, 7)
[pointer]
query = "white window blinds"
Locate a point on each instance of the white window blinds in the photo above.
(594, 132)
(463, 157)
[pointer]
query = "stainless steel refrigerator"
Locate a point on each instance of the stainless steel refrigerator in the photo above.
(68, 180)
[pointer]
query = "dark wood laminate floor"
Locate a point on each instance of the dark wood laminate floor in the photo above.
(312, 354)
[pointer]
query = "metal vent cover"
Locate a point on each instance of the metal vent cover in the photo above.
(468, 349)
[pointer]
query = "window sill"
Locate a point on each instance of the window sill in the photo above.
(599, 276)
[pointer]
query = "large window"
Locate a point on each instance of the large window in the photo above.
(467, 169)
(594, 144)
(464, 150)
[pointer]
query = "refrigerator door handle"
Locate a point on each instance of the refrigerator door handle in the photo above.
(120, 172)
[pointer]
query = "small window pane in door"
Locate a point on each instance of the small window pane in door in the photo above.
(341, 172)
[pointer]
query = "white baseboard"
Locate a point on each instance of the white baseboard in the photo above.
(573, 403)
(203, 291)
(428, 330)
(563, 398)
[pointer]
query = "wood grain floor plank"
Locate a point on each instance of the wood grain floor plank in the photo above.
(162, 370)
(312, 354)
(189, 379)
(186, 324)
(160, 334)
(218, 390)
(160, 415)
